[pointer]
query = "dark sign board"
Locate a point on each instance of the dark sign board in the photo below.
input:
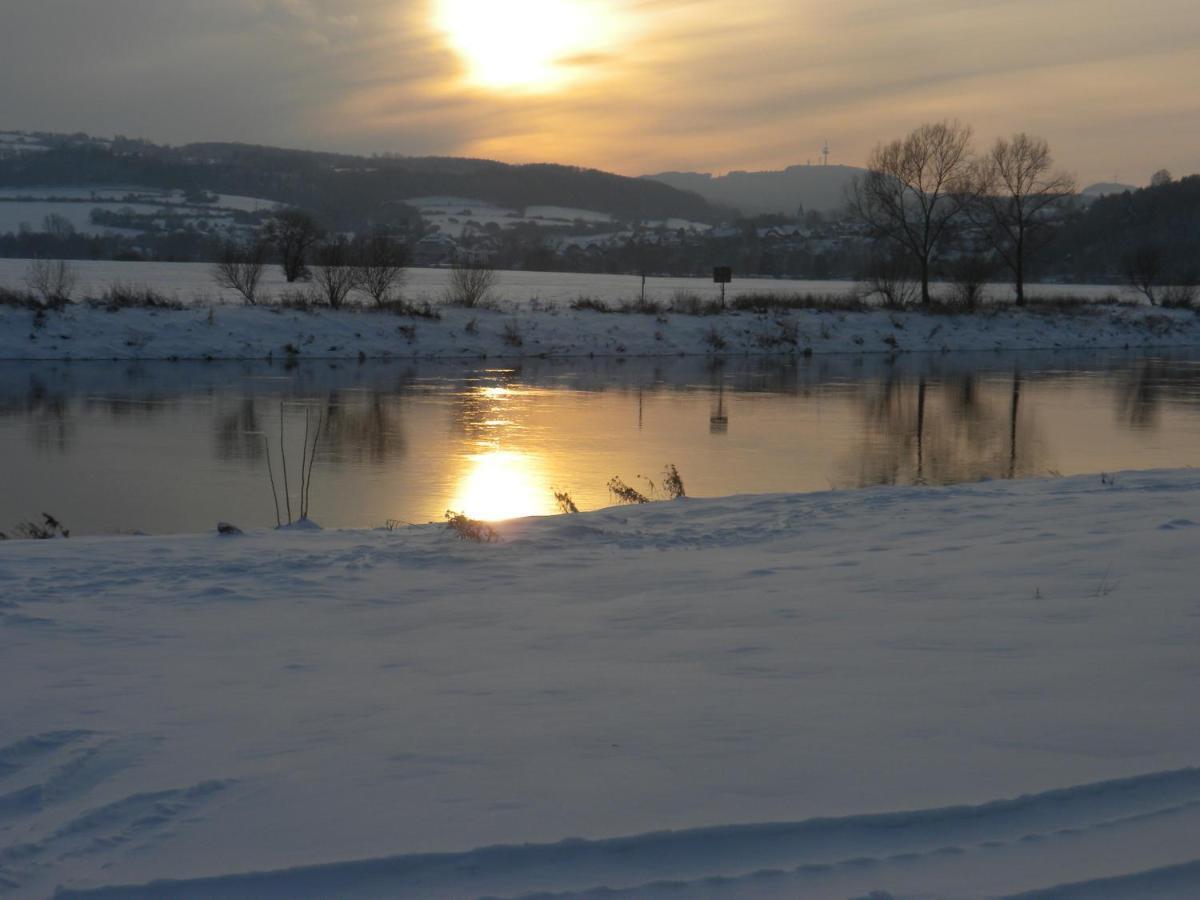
(723, 275)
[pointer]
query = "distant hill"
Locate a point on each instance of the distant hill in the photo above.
(345, 191)
(812, 187)
(1105, 189)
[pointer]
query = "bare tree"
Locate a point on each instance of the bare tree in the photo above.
(914, 189)
(51, 279)
(335, 274)
(58, 227)
(293, 233)
(470, 283)
(240, 268)
(382, 261)
(1018, 195)
(1161, 178)
(1143, 270)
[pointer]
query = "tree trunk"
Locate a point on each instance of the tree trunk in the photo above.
(1020, 272)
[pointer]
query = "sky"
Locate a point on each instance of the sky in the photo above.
(632, 86)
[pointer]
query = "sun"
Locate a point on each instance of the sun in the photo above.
(523, 45)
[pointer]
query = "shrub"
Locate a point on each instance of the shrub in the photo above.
(19, 300)
(512, 335)
(422, 310)
(335, 274)
(469, 529)
(890, 277)
(625, 494)
(641, 306)
(52, 280)
(968, 276)
(1180, 296)
(293, 233)
(382, 261)
(590, 304)
(297, 298)
(766, 301)
(471, 284)
(126, 296)
(240, 269)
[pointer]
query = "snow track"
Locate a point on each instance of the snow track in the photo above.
(924, 851)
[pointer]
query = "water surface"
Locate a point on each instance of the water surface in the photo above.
(174, 447)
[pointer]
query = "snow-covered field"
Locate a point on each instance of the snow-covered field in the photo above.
(193, 283)
(951, 693)
(239, 332)
(29, 206)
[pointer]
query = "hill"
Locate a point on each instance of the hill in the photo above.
(346, 191)
(811, 187)
(1104, 188)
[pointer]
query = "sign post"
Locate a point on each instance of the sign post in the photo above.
(723, 275)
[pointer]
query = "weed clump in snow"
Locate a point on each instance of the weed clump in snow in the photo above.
(688, 303)
(623, 493)
(672, 483)
(19, 299)
(672, 488)
(512, 335)
(469, 529)
(590, 304)
(49, 529)
(126, 296)
(422, 310)
(715, 340)
(565, 503)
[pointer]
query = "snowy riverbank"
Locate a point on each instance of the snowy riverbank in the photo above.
(202, 707)
(236, 332)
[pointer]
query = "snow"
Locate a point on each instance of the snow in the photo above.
(240, 332)
(451, 215)
(31, 205)
(193, 282)
(934, 692)
(567, 215)
(15, 213)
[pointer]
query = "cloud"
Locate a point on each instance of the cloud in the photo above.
(706, 84)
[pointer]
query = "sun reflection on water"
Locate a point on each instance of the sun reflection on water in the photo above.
(502, 484)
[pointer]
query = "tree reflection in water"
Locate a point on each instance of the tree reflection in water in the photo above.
(943, 431)
(1144, 388)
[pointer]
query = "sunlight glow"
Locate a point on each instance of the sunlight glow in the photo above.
(501, 485)
(526, 45)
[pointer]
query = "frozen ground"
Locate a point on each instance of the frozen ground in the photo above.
(239, 332)
(938, 693)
